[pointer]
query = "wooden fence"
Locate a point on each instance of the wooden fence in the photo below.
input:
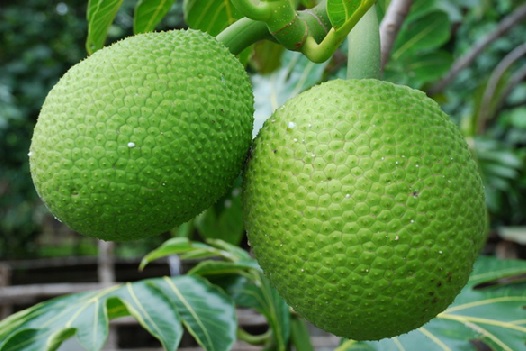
(24, 283)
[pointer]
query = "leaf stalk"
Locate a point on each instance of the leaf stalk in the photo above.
(363, 59)
(256, 340)
(243, 33)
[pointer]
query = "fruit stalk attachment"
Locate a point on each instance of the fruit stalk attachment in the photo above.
(246, 31)
(312, 32)
(281, 18)
(363, 59)
(243, 33)
(342, 24)
(255, 340)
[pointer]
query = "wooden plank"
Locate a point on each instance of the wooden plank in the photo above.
(48, 262)
(32, 292)
(106, 262)
(5, 309)
(239, 346)
(245, 318)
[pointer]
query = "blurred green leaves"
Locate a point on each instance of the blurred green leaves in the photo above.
(223, 220)
(100, 14)
(148, 14)
(418, 56)
(32, 59)
(211, 16)
(488, 312)
(340, 11)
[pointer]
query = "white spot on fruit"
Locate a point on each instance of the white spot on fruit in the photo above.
(397, 237)
(29, 153)
(347, 196)
(291, 125)
(131, 144)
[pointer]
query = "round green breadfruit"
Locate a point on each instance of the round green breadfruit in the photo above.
(364, 207)
(143, 135)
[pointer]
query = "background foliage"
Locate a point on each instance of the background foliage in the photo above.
(33, 56)
(33, 59)
(487, 99)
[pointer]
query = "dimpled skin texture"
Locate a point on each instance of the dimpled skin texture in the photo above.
(364, 207)
(143, 135)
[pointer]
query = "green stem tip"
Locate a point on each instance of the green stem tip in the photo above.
(243, 33)
(364, 48)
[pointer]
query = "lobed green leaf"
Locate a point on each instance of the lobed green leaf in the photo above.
(160, 305)
(489, 311)
(202, 310)
(148, 14)
(211, 16)
(160, 319)
(339, 11)
(100, 15)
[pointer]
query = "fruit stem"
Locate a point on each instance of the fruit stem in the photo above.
(243, 33)
(256, 340)
(363, 60)
(319, 51)
(299, 334)
(281, 18)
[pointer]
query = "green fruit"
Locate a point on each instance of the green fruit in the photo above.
(143, 135)
(364, 207)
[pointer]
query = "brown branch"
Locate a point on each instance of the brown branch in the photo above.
(503, 26)
(106, 262)
(518, 77)
(29, 293)
(485, 110)
(390, 25)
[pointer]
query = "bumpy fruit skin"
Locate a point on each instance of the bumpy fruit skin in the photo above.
(364, 207)
(143, 135)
